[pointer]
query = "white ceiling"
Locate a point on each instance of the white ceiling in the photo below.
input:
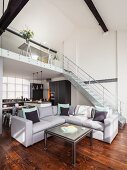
(1, 6)
(77, 12)
(53, 21)
(46, 15)
(113, 12)
(13, 68)
(47, 22)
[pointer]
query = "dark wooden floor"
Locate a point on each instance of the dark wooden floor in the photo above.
(101, 156)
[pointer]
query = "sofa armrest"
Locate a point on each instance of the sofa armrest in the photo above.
(110, 128)
(21, 130)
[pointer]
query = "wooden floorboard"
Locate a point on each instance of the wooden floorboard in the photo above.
(101, 156)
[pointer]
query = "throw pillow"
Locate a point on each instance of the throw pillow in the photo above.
(105, 109)
(64, 111)
(71, 110)
(82, 110)
(33, 116)
(29, 110)
(62, 105)
(89, 111)
(100, 116)
(93, 112)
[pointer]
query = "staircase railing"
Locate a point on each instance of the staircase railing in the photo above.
(84, 79)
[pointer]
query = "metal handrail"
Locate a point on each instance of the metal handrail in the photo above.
(85, 73)
(88, 74)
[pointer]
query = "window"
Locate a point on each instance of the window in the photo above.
(4, 95)
(15, 88)
(4, 90)
(19, 87)
(11, 95)
(11, 87)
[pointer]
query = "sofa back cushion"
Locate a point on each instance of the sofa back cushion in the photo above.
(45, 111)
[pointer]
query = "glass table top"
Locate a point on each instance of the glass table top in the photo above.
(69, 131)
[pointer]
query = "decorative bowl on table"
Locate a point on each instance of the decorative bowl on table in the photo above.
(69, 129)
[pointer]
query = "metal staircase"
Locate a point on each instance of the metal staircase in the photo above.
(89, 87)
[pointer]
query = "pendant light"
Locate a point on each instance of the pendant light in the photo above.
(41, 82)
(37, 82)
(33, 83)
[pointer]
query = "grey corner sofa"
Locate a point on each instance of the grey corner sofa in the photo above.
(27, 133)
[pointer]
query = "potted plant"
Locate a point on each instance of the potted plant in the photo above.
(56, 60)
(27, 34)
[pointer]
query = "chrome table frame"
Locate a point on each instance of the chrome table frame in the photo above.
(73, 142)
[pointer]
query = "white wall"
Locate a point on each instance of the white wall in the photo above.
(122, 69)
(95, 53)
(78, 98)
(1, 86)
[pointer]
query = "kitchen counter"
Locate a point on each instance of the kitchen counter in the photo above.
(42, 104)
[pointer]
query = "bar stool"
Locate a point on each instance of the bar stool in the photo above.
(6, 117)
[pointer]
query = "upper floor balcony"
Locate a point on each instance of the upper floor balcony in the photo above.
(16, 48)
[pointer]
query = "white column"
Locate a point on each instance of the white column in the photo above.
(1, 86)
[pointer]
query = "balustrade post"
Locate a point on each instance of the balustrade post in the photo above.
(89, 82)
(120, 107)
(68, 65)
(77, 72)
(64, 67)
(103, 96)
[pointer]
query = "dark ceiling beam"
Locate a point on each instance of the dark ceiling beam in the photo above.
(3, 6)
(96, 14)
(32, 41)
(13, 8)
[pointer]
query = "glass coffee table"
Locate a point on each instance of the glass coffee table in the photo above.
(70, 133)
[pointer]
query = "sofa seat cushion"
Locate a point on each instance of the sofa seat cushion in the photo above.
(41, 126)
(94, 124)
(54, 120)
(78, 120)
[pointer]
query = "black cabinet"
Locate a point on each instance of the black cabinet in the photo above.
(60, 92)
(36, 94)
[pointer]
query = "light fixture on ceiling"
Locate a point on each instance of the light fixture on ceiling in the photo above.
(41, 82)
(33, 83)
(37, 88)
